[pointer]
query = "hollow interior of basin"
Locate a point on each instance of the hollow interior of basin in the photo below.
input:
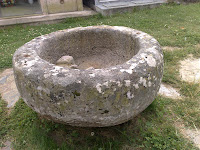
(95, 47)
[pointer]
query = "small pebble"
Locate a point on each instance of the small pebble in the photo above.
(67, 62)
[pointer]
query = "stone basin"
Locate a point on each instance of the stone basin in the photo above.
(125, 78)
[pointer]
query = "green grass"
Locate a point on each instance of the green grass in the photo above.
(149, 130)
(171, 25)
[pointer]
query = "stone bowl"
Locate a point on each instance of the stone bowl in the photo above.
(125, 78)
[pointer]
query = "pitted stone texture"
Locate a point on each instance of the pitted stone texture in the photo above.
(125, 78)
(8, 89)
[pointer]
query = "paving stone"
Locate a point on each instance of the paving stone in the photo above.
(191, 134)
(168, 91)
(8, 89)
(190, 70)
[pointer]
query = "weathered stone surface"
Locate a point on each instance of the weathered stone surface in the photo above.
(128, 68)
(8, 89)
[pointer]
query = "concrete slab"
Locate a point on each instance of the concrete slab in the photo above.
(109, 7)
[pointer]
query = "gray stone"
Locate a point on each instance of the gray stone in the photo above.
(128, 72)
(3, 80)
(67, 62)
(8, 89)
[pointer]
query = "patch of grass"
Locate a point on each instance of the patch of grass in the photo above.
(188, 109)
(149, 130)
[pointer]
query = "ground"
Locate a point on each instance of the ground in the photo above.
(168, 123)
